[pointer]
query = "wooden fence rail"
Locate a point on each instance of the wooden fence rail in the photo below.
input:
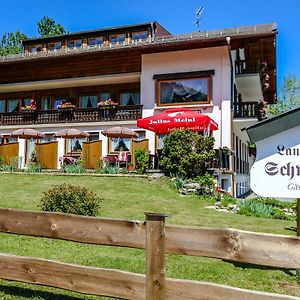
(230, 244)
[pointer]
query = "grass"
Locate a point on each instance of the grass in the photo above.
(129, 198)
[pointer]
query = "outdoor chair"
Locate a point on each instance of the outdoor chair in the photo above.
(122, 159)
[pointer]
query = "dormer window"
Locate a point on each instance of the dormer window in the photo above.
(35, 48)
(54, 46)
(74, 44)
(139, 36)
(117, 38)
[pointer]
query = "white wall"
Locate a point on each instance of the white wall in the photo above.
(216, 59)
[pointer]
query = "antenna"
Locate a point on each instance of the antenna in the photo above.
(198, 16)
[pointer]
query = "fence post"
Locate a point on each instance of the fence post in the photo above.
(155, 256)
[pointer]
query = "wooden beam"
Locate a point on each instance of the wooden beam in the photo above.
(74, 228)
(114, 283)
(235, 245)
(155, 256)
(229, 244)
(87, 280)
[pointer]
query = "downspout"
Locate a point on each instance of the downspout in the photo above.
(228, 39)
(152, 32)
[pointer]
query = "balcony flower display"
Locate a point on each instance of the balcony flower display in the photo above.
(108, 102)
(66, 105)
(31, 107)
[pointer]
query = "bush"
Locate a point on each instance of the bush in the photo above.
(71, 199)
(178, 183)
(76, 167)
(109, 170)
(252, 208)
(34, 168)
(207, 184)
(141, 160)
(2, 162)
(12, 166)
(187, 154)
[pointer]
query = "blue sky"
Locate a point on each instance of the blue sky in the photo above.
(176, 16)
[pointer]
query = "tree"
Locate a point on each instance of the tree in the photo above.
(47, 27)
(11, 43)
(290, 96)
(187, 154)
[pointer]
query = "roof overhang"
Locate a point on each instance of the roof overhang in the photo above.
(70, 82)
(274, 125)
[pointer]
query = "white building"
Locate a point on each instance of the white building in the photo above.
(143, 69)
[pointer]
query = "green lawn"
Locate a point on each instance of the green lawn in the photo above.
(129, 198)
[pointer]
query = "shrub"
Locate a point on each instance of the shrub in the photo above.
(207, 184)
(141, 160)
(109, 170)
(34, 168)
(178, 183)
(252, 208)
(11, 167)
(76, 167)
(71, 199)
(187, 154)
(2, 162)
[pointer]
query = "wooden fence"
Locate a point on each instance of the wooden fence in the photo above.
(154, 236)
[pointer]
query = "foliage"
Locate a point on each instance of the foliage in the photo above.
(267, 207)
(257, 209)
(225, 199)
(11, 167)
(75, 167)
(11, 43)
(290, 98)
(34, 168)
(207, 183)
(178, 182)
(2, 161)
(48, 27)
(187, 154)
(109, 170)
(141, 160)
(71, 199)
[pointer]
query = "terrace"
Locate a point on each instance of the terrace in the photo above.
(75, 115)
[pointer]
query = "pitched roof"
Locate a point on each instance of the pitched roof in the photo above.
(218, 36)
(274, 125)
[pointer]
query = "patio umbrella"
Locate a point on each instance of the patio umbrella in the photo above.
(177, 118)
(119, 132)
(71, 133)
(27, 133)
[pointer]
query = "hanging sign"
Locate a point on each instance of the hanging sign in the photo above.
(277, 175)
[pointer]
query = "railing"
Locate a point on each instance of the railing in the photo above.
(245, 110)
(112, 113)
(247, 66)
(230, 244)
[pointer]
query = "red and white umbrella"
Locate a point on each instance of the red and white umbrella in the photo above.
(177, 118)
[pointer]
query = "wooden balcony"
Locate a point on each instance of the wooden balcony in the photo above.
(78, 115)
(245, 110)
(247, 67)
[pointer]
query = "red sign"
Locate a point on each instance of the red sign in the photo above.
(172, 119)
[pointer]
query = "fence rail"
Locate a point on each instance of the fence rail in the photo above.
(230, 244)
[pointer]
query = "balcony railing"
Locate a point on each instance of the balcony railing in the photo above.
(247, 66)
(78, 115)
(245, 110)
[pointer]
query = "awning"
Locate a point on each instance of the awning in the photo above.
(177, 118)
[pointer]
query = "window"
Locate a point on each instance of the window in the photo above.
(46, 103)
(35, 48)
(88, 101)
(184, 91)
(120, 144)
(54, 46)
(140, 36)
(105, 96)
(59, 101)
(94, 136)
(130, 98)
(74, 44)
(141, 135)
(117, 38)
(92, 42)
(2, 106)
(160, 140)
(13, 105)
(99, 41)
